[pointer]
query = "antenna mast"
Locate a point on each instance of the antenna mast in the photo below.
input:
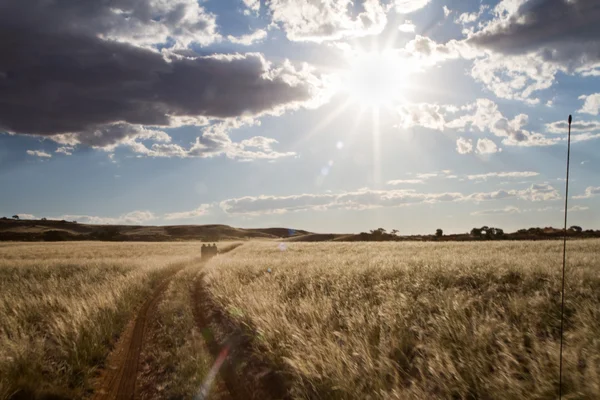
(562, 305)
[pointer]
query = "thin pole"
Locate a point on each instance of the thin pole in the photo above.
(562, 305)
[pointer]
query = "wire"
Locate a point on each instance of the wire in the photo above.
(562, 306)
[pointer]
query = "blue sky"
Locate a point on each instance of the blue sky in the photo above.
(332, 116)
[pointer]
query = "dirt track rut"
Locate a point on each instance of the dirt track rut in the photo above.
(119, 378)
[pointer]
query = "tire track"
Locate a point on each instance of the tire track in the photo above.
(255, 379)
(233, 385)
(119, 378)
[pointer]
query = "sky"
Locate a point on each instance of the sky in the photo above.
(324, 115)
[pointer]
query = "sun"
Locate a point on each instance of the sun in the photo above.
(376, 79)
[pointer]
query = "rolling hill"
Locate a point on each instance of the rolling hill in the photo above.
(51, 230)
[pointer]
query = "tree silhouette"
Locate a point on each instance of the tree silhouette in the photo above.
(439, 233)
(476, 232)
(576, 229)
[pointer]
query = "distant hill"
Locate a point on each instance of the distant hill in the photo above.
(51, 230)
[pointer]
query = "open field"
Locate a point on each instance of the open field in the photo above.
(329, 321)
(62, 306)
(415, 320)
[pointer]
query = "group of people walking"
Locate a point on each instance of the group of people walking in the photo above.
(208, 250)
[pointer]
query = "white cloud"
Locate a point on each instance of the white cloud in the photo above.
(321, 20)
(536, 192)
(421, 114)
(407, 26)
(427, 175)
(447, 11)
(26, 216)
(198, 212)
(409, 6)
(464, 146)
(486, 146)
(561, 127)
(498, 211)
(404, 181)
(578, 208)
(539, 192)
(39, 153)
(422, 52)
(134, 217)
(66, 150)
(591, 104)
(367, 199)
(249, 39)
(590, 191)
(484, 115)
(469, 18)
(253, 5)
(513, 174)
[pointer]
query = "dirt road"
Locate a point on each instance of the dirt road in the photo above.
(117, 381)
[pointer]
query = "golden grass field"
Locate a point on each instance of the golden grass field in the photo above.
(417, 320)
(473, 320)
(62, 305)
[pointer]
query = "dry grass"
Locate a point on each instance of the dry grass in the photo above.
(63, 305)
(175, 359)
(417, 320)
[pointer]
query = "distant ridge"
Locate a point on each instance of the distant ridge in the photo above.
(52, 230)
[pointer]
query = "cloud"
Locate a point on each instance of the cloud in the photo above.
(142, 23)
(247, 40)
(484, 115)
(421, 114)
(404, 181)
(145, 90)
(591, 105)
(590, 191)
(424, 52)
(198, 212)
(513, 174)
(213, 142)
(536, 192)
(539, 192)
(427, 175)
(253, 5)
(367, 199)
(93, 68)
(134, 217)
(561, 127)
(39, 153)
(320, 20)
(447, 11)
(498, 211)
(486, 146)
(66, 150)
(464, 146)
(469, 18)
(578, 208)
(562, 32)
(407, 26)
(528, 42)
(409, 6)
(25, 216)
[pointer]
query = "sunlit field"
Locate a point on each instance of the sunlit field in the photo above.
(62, 306)
(417, 320)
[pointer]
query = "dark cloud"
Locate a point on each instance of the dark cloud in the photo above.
(73, 67)
(563, 31)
